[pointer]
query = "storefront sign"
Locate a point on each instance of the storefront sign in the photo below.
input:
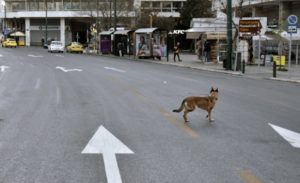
(177, 32)
(250, 26)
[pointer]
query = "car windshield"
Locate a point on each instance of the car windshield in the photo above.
(56, 43)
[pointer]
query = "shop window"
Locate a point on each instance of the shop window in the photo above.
(156, 6)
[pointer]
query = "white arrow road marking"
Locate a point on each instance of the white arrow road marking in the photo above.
(3, 67)
(292, 137)
(105, 143)
(114, 69)
(68, 70)
(35, 56)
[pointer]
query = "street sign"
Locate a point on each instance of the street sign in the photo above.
(292, 20)
(250, 26)
(292, 24)
(292, 29)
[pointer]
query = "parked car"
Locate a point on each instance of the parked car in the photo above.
(75, 47)
(56, 46)
(9, 43)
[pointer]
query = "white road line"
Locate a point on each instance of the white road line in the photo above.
(114, 69)
(1, 55)
(58, 96)
(37, 84)
(68, 70)
(60, 56)
(35, 56)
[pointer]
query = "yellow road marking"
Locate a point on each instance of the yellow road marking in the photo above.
(138, 94)
(179, 123)
(248, 177)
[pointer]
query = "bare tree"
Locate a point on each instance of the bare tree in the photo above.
(101, 13)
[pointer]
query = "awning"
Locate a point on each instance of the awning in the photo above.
(122, 32)
(195, 32)
(145, 30)
(106, 32)
(17, 34)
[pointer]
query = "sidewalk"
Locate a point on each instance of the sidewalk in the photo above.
(251, 71)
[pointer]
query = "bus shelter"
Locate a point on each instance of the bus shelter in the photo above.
(124, 42)
(106, 42)
(151, 43)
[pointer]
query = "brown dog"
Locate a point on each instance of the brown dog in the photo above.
(207, 103)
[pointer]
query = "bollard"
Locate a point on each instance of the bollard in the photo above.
(243, 66)
(274, 69)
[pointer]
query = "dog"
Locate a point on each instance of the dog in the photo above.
(206, 103)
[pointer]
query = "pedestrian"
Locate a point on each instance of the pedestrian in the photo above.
(176, 52)
(120, 48)
(199, 48)
(207, 51)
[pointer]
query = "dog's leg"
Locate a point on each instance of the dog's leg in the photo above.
(186, 111)
(209, 116)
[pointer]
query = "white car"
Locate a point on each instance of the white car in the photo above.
(56, 46)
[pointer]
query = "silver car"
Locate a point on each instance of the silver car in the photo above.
(56, 46)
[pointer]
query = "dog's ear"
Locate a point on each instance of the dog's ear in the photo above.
(216, 90)
(212, 89)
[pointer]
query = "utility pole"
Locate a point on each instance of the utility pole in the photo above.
(115, 27)
(229, 35)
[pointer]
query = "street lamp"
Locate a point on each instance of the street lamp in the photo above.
(229, 35)
(46, 24)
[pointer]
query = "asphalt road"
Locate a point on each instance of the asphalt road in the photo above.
(51, 105)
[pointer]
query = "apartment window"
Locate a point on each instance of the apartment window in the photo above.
(177, 6)
(146, 4)
(41, 6)
(58, 5)
(166, 6)
(50, 5)
(17, 6)
(33, 5)
(67, 4)
(75, 4)
(156, 6)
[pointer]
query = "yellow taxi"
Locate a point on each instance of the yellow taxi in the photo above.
(9, 43)
(74, 47)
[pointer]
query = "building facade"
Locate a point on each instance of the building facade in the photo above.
(71, 20)
(276, 11)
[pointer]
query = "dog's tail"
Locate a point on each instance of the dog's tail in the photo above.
(180, 108)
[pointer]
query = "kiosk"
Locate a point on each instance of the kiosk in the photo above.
(106, 42)
(151, 43)
(124, 42)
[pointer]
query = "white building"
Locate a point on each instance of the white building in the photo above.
(68, 20)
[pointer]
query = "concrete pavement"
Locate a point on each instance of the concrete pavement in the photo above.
(251, 71)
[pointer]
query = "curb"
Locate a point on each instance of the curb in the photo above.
(201, 68)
